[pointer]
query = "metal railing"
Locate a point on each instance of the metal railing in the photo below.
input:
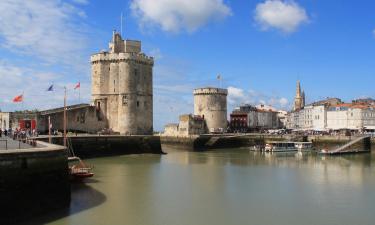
(6, 144)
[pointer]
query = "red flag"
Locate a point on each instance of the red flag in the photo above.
(18, 98)
(77, 85)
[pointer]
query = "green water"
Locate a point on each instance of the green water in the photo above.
(232, 186)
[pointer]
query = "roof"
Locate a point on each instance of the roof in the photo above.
(61, 109)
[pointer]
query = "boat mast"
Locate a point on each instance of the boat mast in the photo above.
(64, 137)
(49, 129)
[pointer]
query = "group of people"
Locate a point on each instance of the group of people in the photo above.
(23, 133)
(4, 132)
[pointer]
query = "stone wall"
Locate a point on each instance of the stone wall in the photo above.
(32, 181)
(81, 119)
(107, 145)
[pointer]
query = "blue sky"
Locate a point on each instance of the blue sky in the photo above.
(260, 47)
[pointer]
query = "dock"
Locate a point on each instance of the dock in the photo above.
(358, 145)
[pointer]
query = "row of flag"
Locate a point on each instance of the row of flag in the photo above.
(19, 98)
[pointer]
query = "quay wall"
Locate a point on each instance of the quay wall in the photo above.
(88, 146)
(33, 181)
(207, 142)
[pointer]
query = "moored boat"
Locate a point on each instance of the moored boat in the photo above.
(304, 146)
(277, 146)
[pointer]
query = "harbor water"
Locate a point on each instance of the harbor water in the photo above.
(222, 187)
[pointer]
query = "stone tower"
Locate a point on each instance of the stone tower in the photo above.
(122, 88)
(211, 103)
(299, 100)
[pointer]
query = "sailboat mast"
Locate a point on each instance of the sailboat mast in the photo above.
(64, 117)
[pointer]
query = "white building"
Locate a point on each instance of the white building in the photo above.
(350, 116)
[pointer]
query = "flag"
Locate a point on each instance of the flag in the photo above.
(218, 77)
(77, 85)
(50, 88)
(18, 98)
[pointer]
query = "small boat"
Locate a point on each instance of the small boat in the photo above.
(303, 146)
(280, 147)
(81, 170)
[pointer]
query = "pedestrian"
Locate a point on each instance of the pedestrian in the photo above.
(1, 132)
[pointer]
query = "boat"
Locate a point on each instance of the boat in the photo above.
(277, 146)
(257, 148)
(304, 146)
(81, 170)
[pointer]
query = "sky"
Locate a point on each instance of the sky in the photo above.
(259, 47)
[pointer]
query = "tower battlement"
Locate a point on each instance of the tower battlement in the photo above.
(210, 91)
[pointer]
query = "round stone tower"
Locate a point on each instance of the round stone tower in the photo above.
(211, 103)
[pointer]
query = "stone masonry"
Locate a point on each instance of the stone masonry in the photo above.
(122, 86)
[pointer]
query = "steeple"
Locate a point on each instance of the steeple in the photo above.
(299, 99)
(298, 92)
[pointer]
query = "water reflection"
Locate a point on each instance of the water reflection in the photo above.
(230, 186)
(84, 197)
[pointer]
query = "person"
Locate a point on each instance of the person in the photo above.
(6, 132)
(1, 132)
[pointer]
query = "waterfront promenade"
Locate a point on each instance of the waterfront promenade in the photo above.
(7, 143)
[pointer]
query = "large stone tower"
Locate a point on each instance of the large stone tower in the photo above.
(211, 103)
(299, 100)
(122, 86)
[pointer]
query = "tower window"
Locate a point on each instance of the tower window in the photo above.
(114, 85)
(137, 103)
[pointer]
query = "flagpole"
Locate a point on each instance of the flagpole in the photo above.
(121, 24)
(64, 117)
(23, 99)
(49, 130)
(79, 93)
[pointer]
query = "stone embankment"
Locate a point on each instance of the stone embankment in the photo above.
(207, 142)
(88, 146)
(32, 181)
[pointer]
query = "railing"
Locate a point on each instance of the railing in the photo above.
(6, 144)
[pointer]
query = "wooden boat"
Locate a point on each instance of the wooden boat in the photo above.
(81, 170)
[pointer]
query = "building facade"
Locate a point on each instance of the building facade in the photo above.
(247, 118)
(188, 125)
(211, 104)
(343, 116)
(122, 88)
(4, 120)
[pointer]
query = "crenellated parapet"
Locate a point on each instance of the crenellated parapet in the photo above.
(210, 91)
(106, 57)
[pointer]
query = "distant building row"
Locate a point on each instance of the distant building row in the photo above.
(331, 114)
(247, 118)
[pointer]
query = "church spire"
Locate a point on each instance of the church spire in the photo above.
(299, 99)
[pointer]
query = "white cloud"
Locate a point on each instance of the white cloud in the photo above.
(48, 30)
(285, 16)
(283, 102)
(82, 2)
(238, 96)
(177, 15)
